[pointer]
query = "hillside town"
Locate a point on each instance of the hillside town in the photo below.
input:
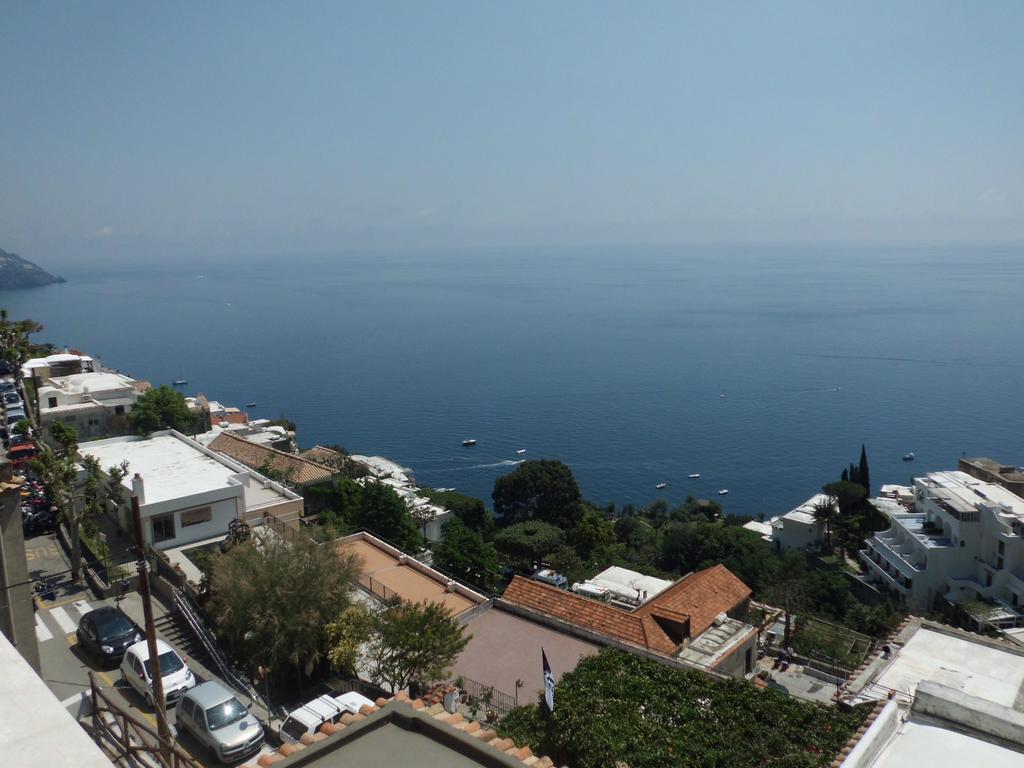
(313, 607)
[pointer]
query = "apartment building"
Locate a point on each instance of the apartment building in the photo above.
(960, 542)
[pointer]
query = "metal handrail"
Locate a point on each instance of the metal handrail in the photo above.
(182, 603)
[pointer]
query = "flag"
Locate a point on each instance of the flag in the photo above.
(549, 682)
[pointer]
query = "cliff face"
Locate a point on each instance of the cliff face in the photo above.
(16, 272)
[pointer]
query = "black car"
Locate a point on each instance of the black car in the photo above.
(106, 633)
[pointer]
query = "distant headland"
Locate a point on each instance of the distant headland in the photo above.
(16, 272)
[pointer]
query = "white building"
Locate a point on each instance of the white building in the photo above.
(401, 480)
(797, 529)
(624, 586)
(951, 699)
(188, 493)
(61, 364)
(96, 404)
(962, 541)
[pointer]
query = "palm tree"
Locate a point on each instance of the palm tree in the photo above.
(826, 512)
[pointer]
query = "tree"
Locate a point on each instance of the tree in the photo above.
(346, 636)
(161, 408)
(272, 598)
(75, 503)
(865, 472)
(530, 543)
(413, 641)
(65, 436)
(464, 553)
(592, 532)
(471, 511)
(538, 490)
(825, 512)
(384, 513)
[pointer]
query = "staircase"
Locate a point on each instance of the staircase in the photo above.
(175, 630)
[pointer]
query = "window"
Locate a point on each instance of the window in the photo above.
(195, 516)
(1000, 548)
(163, 527)
(119, 409)
(749, 662)
(999, 563)
(51, 402)
(186, 707)
(988, 579)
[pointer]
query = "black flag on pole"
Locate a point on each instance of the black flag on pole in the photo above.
(549, 682)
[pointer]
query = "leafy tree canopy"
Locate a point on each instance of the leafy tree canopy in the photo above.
(272, 598)
(469, 510)
(161, 408)
(538, 490)
(412, 641)
(617, 708)
(464, 554)
(529, 543)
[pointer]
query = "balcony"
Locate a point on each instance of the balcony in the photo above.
(917, 527)
(879, 573)
(895, 558)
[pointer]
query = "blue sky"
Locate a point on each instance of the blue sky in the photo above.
(233, 127)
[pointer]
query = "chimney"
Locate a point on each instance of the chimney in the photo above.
(139, 488)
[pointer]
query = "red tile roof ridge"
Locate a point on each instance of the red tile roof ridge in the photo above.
(701, 596)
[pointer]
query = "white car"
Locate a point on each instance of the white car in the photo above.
(137, 670)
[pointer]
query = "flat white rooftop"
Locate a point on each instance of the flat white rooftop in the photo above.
(964, 492)
(171, 467)
(36, 731)
(626, 583)
(976, 669)
(102, 381)
(922, 743)
(804, 513)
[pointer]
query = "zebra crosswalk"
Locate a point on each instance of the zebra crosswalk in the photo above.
(60, 620)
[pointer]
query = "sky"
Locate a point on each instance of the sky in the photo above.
(141, 128)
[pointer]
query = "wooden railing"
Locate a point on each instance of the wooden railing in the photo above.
(129, 741)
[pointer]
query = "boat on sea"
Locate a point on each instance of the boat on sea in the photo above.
(180, 382)
(520, 452)
(723, 492)
(694, 475)
(908, 456)
(250, 405)
(468, 442)
(659, 486)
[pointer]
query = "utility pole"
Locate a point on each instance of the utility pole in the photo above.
(147, 608)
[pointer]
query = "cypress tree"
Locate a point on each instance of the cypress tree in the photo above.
(865, 473)
(854, 474)
(846, 475)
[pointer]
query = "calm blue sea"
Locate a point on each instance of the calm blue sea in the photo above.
(761, 368)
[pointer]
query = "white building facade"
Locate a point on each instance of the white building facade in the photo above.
(188, 493)
(96, 404)
(963, 541)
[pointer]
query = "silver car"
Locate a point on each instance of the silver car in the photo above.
(218, 721)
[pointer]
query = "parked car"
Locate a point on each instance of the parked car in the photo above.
(21, 452)
(137, 670)
(323, 709)
(219, 721)
(11, 397)
(107, 633)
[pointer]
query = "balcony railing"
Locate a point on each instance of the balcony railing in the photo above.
(879, 571)
(896, 559)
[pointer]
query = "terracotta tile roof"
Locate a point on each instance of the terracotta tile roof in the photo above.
(701, 596)
(295, 470)
(683, 611)
(588, 614)
(432, 708)
(322, 455)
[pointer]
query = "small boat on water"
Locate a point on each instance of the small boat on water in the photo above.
(468, 442)
(520, 452)
(180, 382)
(908, 456)
(659, 486)
(694, 475)
(723, 492)
(250, 405)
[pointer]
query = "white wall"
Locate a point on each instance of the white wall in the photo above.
(223, 511)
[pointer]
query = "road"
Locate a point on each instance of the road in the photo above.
(65, 667)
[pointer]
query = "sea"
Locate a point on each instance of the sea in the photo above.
(761, 367)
